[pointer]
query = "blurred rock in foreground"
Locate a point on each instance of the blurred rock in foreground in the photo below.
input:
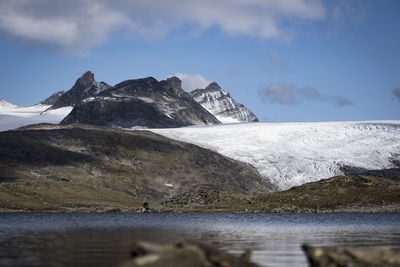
(368, 257)
(183, 254)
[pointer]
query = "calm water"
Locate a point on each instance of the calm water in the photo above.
(85, 239)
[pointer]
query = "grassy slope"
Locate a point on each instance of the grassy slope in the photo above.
(338, 194)
(88, 168)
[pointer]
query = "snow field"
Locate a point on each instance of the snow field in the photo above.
(12, 116)
(291, 154)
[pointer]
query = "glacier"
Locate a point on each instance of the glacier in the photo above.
(288, 153)
(13, 116)
(293, 153)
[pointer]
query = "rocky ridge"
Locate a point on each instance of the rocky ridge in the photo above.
(84, 87)
(53, 98)
(220, 103)
(141, 102)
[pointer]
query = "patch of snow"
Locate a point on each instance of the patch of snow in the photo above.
(169, 185)
(290, 154)
(92, 98)
(134, 128)
(227, 119)
(89, 99)
(12, 117)
(146, 99)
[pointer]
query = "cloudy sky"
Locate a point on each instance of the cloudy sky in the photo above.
(287, 60)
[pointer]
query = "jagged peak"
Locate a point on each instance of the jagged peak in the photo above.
(213, 86)
(172, 82)
(87, 74)
(86, 79)
(174, 79)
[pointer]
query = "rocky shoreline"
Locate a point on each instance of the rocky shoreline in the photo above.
(193, 253)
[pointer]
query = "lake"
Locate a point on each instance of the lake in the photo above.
(105, 239)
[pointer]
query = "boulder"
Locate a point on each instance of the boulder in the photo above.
(183, 254)
(355, 257)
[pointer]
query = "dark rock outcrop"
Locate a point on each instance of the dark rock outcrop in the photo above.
(392, 173)
(142, 102)
(122, 112)
(220, 103)
(361, 257)
(86, 86)
(53, 98)
(183, 254)
(83, 167)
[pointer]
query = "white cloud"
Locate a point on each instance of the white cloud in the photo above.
(82, 24)
(288, 94)
(74, 26)
(191, 82)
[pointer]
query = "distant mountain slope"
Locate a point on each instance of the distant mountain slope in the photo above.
(86, 86)
(295, 153)
(13, 116)
(53, 98)
(142, 102)
(82, 167)
(219, 102)
(5, 104)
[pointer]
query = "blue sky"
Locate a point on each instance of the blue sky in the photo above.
(293, 60)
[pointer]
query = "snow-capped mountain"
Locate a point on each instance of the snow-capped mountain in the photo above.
(219, 102)
(13, 116)
(290, 154)
(5, 104)
(86, 86)
(141, 102)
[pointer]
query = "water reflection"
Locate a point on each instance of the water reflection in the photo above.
(106, 239)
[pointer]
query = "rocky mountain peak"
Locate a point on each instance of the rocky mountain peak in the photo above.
(213, 86)
(84, 87)
(87, 79)
(172, 82)
(142, 102)
(219, 103)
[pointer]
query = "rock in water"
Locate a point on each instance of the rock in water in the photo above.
(183, 255)
(366, 257)
(219, 102)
